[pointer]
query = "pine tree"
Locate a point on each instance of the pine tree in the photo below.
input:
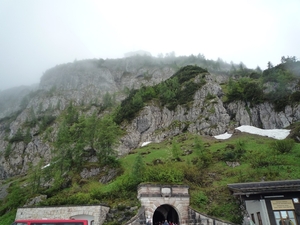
(138, 169)
(176, 151)
(105, 138)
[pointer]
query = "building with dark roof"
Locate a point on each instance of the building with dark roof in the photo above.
(270, 202)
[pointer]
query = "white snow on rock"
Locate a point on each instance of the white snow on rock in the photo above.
(146, 143)
(45, 166)
(278, 134)
(223, 136)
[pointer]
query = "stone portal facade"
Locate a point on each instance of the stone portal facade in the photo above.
(171, 202)
(164, 198)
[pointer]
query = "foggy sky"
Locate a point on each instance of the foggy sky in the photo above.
(36, 35)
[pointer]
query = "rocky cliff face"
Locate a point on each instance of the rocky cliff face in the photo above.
(85, 82)
(206, 116)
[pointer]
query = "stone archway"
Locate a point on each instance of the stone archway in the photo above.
(165, 212)
(165, 202)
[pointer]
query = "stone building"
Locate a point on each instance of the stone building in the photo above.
(95, 214)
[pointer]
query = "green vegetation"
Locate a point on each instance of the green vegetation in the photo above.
(8, 206)
(177, 90)
(18, 137)
(254, 87)
(245, 89)
(283, 146)
(74, 134)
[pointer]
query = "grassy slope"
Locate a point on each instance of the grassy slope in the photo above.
(208, 185)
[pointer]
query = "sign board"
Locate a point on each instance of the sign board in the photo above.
(282, 204)
(166, 192)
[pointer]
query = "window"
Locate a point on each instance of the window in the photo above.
(259, 218)
(253, 218)
(285, 218)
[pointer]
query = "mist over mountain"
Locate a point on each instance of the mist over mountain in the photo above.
(12, 98)
(136, 53)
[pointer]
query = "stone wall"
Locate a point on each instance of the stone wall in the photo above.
(96, 213)
(139, 218)
(196, 218)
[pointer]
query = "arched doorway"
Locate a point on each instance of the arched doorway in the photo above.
(165, 212)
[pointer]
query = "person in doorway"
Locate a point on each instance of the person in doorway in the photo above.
(166, 222)
(286, 221)
(250, 222)
(281, 222)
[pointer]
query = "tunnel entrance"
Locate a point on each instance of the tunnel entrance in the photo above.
(165, 212)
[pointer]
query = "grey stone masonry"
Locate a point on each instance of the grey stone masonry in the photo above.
(96, 213)
(196, 218)
(177, 196)
(152, 196)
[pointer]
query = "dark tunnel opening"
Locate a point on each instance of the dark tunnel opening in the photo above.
(165, 212)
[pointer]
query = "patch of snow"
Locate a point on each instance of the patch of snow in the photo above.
(223, 136)
(146, 143)
(46, 166)
(272, 133)
(278, 134)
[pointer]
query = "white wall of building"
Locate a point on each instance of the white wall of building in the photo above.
(255, 206)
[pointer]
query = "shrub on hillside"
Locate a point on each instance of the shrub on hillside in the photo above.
(188, 72)
(18, 137)
(200, 199)
(263, 159)
(192, 174)
(166, 173)
(245, 89)
(234, 152)
(283, 146)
